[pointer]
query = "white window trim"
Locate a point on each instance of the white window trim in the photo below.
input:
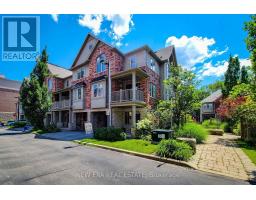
(135, 62)
(102, 87)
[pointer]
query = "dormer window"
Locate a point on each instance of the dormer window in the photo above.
(101, 66)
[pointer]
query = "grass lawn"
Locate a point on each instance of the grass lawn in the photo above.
(136, 145)
(249, 150)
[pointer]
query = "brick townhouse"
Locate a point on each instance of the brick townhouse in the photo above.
(9, 93)
(81, 94)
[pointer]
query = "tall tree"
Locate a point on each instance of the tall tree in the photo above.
(250, 40)
(34, 95)
(232, 75)
(182, 85)
(244, 75)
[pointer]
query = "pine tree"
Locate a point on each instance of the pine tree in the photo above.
(244, 75)
(232, 75)
(34, 96)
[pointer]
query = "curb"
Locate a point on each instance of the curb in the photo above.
(152, 157)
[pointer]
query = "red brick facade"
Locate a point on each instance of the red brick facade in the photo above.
(112, 56)
(155, 79)
(8, 102)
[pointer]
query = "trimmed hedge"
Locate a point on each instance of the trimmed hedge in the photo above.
(19, 124)
(174, 149)
(109, 134)
(193, 130)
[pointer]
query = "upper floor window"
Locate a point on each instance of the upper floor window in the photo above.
(66, 83)
(77, 94)
(133, 62)
(167, 70)
(153, 64)
(97, 89)
(80, 73)
(208, 107)
(152, 90)
(49, 84)
(90, 46)
(101, 66)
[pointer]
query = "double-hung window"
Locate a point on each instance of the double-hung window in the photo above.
(97, 89)
(49, 84)
(153, 64)
(81, 73)
(77, 94)
(152, 90)
(133, 63)
(101, 65)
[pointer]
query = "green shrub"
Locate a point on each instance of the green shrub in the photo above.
(174, 149)
(109, 134)
(237, 129)
(52, 128)
(225, 127)
(19, 124)
(212, 123)
(193, 130)
(144, 127)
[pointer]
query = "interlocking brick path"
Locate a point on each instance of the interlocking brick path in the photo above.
(220, 155)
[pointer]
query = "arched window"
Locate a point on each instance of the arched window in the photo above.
(101, 66)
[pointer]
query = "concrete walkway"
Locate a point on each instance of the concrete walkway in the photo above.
(220, 155)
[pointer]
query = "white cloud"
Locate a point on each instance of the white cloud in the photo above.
(2, 76)
(55, 17)
(245, 62)
(120, 25)
(92, 22)
(193, 50)
(219, 68)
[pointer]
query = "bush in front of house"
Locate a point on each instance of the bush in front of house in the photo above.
(193, 130)
(19, 124)
(143, 128)
(174, 149)
(109, 134)
(52, 128)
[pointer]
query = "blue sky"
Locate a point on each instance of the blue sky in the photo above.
(203, 42)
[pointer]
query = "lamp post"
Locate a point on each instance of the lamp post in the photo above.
(109, 93)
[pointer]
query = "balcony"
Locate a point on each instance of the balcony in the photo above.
(126, 96)
(64, 104)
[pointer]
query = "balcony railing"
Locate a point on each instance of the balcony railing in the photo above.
(61, 104)
(126, 95)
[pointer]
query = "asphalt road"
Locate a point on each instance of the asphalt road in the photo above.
(25, 159)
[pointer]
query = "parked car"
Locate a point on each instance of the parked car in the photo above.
(1, 124)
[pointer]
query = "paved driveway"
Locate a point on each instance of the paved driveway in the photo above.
(65, 136)
(25, 159)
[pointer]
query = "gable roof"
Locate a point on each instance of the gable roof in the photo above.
(213, 97)
(148, 49)
(9, 84)
(165, 53)
(58, 71)
(97, 42)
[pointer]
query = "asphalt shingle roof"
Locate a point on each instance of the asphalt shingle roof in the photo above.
(164, 53)
(213, 97)
(59, 71)
(9, 84)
